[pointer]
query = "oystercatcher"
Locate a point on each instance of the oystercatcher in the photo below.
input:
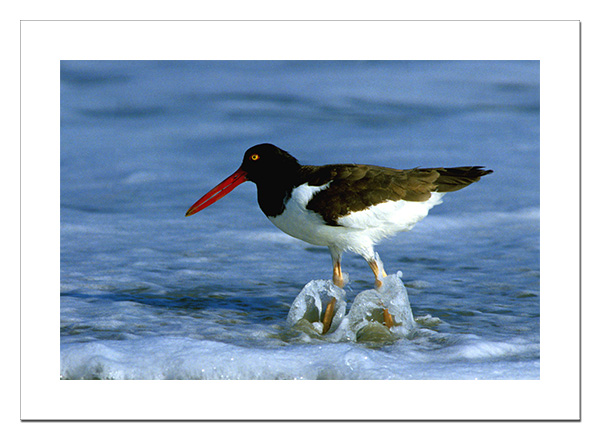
(345, 207)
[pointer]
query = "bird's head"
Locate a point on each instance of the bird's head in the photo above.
(262, 163)
(266, 162)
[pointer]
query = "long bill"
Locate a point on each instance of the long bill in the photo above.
(219, 191)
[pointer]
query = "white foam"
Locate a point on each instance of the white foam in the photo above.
(188, 358)
(428, 321)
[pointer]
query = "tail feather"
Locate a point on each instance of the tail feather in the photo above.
(453, 179)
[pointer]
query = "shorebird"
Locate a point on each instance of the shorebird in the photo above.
(346, 207)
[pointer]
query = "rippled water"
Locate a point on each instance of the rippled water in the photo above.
(148, 293)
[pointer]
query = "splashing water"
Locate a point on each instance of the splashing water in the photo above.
(365, 322)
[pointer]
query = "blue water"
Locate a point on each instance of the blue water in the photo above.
(149, 294)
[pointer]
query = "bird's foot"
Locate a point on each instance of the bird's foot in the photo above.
(388, 319)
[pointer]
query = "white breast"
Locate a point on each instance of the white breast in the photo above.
(300, 222)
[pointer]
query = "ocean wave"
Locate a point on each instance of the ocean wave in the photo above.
(187, 358)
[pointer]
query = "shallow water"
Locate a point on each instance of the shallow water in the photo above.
(148, 293)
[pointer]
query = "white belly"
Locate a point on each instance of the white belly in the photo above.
(391, 217)
(358, 231)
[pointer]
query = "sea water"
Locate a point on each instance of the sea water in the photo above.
(149, 294)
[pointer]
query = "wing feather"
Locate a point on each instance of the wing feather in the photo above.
(356, 187)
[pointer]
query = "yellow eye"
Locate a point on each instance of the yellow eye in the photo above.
(255, 157)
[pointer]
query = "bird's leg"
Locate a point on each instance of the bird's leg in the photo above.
(388, 319)
(377, 271)
(328, 316)
(338, 280)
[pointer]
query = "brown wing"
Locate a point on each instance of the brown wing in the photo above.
(356, 187)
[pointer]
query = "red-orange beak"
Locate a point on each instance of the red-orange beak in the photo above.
(219, 191)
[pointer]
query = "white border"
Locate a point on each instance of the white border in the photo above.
(554, 396)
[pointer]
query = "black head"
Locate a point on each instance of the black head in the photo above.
(264, 165)
(265, 162)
